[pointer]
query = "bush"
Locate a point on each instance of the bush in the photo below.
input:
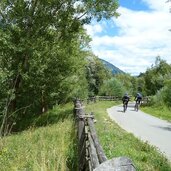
(167, 93)
(112, 87)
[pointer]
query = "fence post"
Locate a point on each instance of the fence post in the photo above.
(101, 155)
(79, 114)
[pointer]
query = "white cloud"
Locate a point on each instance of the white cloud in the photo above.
(92, 30)
(159, 5)
(143, 35)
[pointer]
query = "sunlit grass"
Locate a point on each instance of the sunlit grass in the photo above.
(48, 148)
(161, 112)
(116, 142)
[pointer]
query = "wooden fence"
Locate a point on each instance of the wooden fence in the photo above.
(90, 152)
(109, 98)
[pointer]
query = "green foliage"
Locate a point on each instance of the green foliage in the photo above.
(42, 53)
(157, 83)
(112, 68)
(132, 84)
(156, 76)
(128, 82)
(167, 93)
(96, 73)
(157, 99)
(112, 87)
(97, 9)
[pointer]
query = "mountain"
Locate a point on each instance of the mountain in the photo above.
(111, 67)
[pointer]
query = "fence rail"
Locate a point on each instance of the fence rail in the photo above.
(110, 98)
(90, 152)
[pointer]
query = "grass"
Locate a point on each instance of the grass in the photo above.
(48, 145)
(161, 112)
(116, 142)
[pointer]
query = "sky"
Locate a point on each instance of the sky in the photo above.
(132, 41)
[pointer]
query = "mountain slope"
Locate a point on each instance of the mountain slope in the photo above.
(111, 67)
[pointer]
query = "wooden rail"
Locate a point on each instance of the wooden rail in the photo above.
(90, 152)
(145, 100)
(93, 99)
(110, 98)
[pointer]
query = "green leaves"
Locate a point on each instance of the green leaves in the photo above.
(112, 87)
(96, 73)
(42, 53)
(156, 76)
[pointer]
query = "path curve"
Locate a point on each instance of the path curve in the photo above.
(146, 127)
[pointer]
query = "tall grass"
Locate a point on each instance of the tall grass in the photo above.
(116, 142)
(157, 107)
(51, 147)
(162, 112)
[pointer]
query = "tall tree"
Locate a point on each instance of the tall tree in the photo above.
(156, 75)
(41, 50)
(96, 73)
(112, 87)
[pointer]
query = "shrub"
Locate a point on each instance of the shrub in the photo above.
(112, 87)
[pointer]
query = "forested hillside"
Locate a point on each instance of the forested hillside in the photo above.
(111, 67)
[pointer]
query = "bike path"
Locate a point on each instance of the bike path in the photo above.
(145, 127)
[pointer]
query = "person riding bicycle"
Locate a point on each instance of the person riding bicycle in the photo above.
(125, 99)
(138, 98)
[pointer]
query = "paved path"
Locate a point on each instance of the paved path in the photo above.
(146, 127)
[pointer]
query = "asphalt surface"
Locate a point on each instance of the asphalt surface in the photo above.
(155, 131)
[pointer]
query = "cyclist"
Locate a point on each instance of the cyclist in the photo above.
(125, 100)
(138, 98)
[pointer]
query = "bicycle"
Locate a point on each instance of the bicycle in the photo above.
(137, 105)
(125, 103)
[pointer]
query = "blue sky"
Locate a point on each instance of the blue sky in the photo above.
(134, 5)
(133, 40)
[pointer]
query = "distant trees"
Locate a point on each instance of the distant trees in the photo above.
(112, 87)
(156, 76)
(96, 73)
(167, 92)
(156, 82)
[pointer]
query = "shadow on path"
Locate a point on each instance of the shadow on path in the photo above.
(167, 128)
(120, 111)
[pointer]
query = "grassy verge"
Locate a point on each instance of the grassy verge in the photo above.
(116, 142)
(51, 147)
(161, 112)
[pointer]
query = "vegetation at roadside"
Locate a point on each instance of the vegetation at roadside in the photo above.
(161, 112)
(49, 144)
(116, 142)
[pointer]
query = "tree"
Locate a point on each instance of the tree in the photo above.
(112, 87)
(130, 83)
(96, 73)
(41, 53)
(155, 76)
(167, 93)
